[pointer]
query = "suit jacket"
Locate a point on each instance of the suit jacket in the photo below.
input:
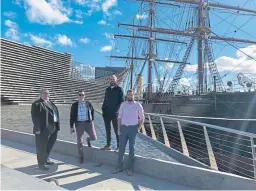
(42, 116)
(74, 112)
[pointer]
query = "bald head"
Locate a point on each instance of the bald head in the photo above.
(113, 80)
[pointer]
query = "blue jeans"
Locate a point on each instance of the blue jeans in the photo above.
(127, 133)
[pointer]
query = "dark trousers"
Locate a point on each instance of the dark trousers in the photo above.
(44, 145)
(107, 121)
(127, 133)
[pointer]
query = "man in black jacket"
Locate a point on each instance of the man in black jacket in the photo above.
(82, 115)
(112, 101)
(45, 117)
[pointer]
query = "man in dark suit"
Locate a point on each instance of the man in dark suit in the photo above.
(45, 117)
(114, 96)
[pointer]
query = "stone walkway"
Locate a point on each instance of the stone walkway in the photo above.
(18, 118)
(73, 176)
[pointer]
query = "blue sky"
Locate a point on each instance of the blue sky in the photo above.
(84, 28)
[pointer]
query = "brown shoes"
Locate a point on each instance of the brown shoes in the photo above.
(117, 171)
(129, 172)
(106, 148)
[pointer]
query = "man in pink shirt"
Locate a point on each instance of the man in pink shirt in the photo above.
(130, 120)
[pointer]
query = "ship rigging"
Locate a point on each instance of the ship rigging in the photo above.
(196, 31)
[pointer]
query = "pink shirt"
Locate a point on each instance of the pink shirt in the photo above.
(130, 113)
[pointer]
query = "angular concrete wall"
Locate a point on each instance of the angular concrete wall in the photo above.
(195, 177)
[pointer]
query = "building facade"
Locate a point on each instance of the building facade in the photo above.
(82, 71)
(106, 71)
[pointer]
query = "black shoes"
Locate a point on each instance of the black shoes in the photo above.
(44, 168)
(48, 162)
(81, 160)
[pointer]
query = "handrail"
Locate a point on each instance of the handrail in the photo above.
(208, 125)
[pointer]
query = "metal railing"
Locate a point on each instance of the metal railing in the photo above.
(218, 147)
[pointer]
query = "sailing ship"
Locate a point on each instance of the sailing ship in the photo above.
(176, 34)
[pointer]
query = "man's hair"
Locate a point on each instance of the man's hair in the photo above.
(130, 91)
(80, 91)
(43, 90)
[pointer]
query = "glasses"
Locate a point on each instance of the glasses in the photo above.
(81, 94)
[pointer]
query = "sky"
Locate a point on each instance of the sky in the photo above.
(85, 29)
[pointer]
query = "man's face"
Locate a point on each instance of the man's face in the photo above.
(112, 80)
(81, 96)
(130, 96)
(45, 94)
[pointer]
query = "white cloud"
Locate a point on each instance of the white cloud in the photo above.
(17, 2)
(141, 17)
(166, 66)
(79, 22)
(109, 36)
(79, 14)
(84, 40)
(191, 68)
(26, 43)
(94, 5)
(241, 63)
(185, 81)
(11, 24)
(88, 13)
(47, 12)
(12, 31)
(64, 40)
(40, 41)
(107, 5)
(11, 15)
(116, 12)
(82, 2)
(102, 22)
(106, 48)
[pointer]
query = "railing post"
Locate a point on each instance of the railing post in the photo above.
(153, 135)
(143, 130)
(212, 159)
(166, 140)
(253, 156)
(183, 141)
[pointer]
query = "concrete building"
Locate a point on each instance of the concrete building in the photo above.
(82, 71)
(26, 69)
(106, 71)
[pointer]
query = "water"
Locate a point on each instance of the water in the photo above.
(18, 118)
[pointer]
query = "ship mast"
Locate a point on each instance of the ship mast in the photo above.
(200, 50)
(132, 65)
(150, 61)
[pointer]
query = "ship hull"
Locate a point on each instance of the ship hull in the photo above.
(212, 108)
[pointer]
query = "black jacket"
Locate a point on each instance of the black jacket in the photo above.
(112, 101)
(42, 116)
(74, 111)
